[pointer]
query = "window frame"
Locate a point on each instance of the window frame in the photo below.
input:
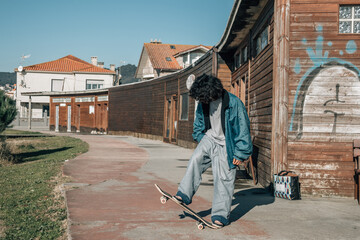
(352, 19)
(181, 106)
(258, 38)
(263, 22)
(52, 84)
(94, 80)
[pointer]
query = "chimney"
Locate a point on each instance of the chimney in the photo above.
(112, 67)
(155, 41)
(94, 61)
(101, 64)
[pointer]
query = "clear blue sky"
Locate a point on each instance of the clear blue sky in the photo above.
(112, 30)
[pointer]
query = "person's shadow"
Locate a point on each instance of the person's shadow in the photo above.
(245, 200)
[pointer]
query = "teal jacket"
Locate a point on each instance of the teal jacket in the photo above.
(235, 124)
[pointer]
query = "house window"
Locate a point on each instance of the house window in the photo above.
(185, 59)
(94, 84)
(261, 41)
(184, 108)
(172, 47)
(194, 56)
(349, 19)
(168, 59)
(57, 85)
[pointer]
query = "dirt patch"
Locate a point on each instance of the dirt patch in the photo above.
(60, 202)
(2, 229)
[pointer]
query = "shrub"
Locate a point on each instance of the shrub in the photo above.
(7, 111)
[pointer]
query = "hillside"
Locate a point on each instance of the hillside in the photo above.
(7, 78)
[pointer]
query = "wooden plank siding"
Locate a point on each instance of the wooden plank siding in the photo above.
(323, 107)
(256, 93)
(261, 108)
(82, 121)
(325, 168)
(138, 109)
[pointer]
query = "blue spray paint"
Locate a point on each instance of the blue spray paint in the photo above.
(297, 68)
(351, 47)
(319, 58)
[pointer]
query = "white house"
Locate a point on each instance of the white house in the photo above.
(65, 74)
(158, 59)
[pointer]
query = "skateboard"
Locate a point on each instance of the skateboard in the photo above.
(201, 222)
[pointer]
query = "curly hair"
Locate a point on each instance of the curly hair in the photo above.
(206, 89)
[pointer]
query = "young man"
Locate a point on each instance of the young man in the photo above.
(221, 128)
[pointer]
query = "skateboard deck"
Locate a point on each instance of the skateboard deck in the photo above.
(201, 222)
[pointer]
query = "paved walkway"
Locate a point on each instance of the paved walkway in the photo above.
(112, 196)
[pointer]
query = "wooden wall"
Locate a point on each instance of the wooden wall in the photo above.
(256, 93)
(138, 109)
(81, 118)
(324, 93)
(325, 168)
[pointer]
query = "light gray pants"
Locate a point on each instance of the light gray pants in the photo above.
(209, 153)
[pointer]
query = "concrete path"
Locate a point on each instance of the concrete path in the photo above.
(112, 196)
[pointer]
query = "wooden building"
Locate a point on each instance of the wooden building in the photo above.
(295, 64)
(77, 111)
(161, 108)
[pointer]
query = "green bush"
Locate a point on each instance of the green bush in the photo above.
(7, 111)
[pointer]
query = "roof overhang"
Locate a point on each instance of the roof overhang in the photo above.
(242, 18)
(74, 72)
(53, 94)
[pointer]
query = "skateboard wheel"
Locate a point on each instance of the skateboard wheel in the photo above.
(200, 226)
(163, 199)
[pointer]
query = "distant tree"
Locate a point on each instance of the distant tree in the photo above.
(128, 74)
(7, 111)
(7, 78)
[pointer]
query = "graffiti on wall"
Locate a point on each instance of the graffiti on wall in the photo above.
(327, 98)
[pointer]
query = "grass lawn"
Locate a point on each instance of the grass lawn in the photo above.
(19, 132)
(31, 203)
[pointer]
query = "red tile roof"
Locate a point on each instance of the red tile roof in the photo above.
(67, 64)
(158, 53)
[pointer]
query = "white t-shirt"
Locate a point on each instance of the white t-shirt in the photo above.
(216, 132)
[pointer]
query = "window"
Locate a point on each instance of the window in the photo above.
(185, 59)
(244, 55)
(172, 47)
(261, 41)
(168, 59)
(237, 61)
(184, 108)
(57, 85)
(241, 57)
(194, 56)
(349, 19)
(94, 84)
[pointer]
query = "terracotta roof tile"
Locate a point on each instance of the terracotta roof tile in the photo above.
(158, 53)
(67, 64)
